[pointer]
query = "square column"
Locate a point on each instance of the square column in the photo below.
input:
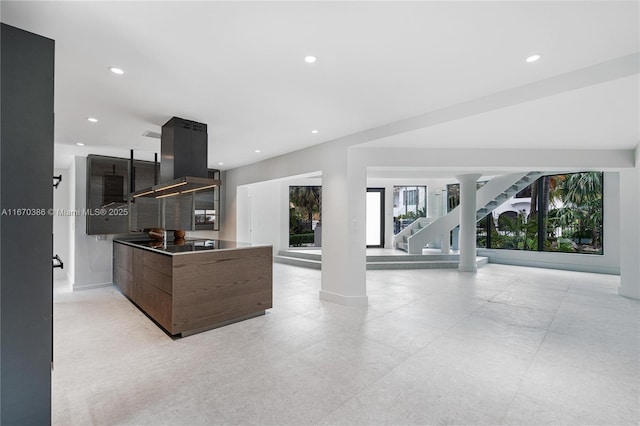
(344, 188)
(468, 222)
(630, 231)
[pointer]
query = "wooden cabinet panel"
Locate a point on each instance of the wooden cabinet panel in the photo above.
(123, 268)
(157, 304)
(124, 280)
(215, 287)
(226, 268)
(123, 256)
(138, 269)
(157, 279)
(159, 262)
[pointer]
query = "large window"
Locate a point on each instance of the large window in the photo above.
(305, 208)
(409, 203)
(453, 194)
(411, 197)
(562, 213)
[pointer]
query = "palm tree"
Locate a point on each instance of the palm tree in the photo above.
(581, 197)
(550, 187)
(544, 184)
(308, 199)
(583, 188)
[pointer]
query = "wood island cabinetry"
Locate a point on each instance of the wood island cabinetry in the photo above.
(193, 291)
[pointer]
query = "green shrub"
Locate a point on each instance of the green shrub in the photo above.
(565, 245)
(296, 240)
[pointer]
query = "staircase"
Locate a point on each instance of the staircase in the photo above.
(494, 193)
(313, 260)
(400, 239)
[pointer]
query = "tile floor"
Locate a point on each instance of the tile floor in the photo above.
(508, 345)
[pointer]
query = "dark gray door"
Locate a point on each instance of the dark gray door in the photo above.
(26, 227)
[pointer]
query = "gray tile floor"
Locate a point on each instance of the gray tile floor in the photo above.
(508, 345)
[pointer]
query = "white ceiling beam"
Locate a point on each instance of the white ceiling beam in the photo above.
(605, 71)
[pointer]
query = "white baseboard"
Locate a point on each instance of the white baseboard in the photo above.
(631, 293)
(90, 286)
(564, 261)
(468, 268)
(344, 300)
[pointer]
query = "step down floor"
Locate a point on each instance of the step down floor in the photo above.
(395, 259)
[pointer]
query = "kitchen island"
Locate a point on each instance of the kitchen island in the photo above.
(191, 286)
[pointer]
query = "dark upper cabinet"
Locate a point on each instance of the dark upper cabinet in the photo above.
(108, 180)
(107, 193)
(145, 211)
(109, 210)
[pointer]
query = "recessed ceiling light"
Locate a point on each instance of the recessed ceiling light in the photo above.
(221, 164)
(116, 70)
(91, 119)
(79, 144)
(533, 58)
(257, 150)
(310, 59)
(315, 132)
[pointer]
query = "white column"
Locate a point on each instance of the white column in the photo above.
(467, 241)
(445, 243)
(344, 188)
(630, 231)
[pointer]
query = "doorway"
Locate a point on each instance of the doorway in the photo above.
(375, 217)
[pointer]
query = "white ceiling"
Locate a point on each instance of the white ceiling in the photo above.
(238, 66)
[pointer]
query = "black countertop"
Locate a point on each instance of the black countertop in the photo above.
(172, 247)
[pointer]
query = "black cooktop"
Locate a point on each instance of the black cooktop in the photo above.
(182, 246)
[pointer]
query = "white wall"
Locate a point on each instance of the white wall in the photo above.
(437, 201)
(62, 224)
(263, 211)
(266, 205)
(93, 255)
(607, 263)
(242, 202)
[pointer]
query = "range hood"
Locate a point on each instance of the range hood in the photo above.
(183, 160)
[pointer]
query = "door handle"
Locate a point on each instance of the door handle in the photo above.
(57, 262)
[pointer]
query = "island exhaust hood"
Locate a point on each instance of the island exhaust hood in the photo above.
(183, 160)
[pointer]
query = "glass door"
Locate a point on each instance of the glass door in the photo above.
(375, 217)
